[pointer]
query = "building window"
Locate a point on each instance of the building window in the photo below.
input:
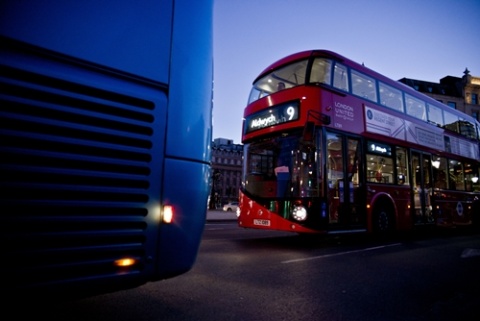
(475, 114)
(474, 99)
(452, 104)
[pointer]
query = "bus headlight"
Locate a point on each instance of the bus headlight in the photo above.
(299, 213)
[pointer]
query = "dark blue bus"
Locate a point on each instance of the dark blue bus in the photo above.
(106, 124)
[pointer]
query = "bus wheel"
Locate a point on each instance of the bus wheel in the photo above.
(383, 219)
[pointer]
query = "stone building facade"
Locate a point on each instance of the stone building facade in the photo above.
(459, 93)
(226, 170)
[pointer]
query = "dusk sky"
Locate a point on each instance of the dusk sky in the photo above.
(420, 39)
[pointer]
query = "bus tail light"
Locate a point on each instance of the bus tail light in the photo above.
(168, 214)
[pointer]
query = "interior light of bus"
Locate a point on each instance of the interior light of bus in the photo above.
(125, 262)
(299, 213)
(168, 214)
(475, 179)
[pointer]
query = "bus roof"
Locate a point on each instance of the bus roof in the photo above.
(352, 64)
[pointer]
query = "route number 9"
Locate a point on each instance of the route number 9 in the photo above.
(290, 112)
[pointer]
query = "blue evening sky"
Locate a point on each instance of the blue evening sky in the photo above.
(419, 39)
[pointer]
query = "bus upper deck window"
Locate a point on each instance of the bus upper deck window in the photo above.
(340, 77)
(321, 71)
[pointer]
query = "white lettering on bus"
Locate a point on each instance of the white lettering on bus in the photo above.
(379, 149)
(344, 111)
(263, 122)
(385, 119)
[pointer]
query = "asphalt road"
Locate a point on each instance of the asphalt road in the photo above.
(263, 275)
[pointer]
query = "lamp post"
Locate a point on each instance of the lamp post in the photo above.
(213, 193)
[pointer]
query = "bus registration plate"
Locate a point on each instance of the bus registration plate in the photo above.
(261, 222)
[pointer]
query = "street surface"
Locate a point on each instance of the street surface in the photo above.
(265, 275)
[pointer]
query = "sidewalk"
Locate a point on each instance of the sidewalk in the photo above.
(219, 215)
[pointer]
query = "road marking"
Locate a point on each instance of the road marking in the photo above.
(339, 254)
(470, 253)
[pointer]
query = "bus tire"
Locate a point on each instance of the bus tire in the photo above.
(383, 218)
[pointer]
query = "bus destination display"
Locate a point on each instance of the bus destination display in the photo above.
(279, 114)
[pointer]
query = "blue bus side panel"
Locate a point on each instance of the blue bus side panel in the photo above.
(190, 105)
(188, 187)
(112, 33)
(81, 163)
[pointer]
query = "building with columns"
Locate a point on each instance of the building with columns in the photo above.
(459, 93)
(226, 170)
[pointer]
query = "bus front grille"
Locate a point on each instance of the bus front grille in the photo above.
(75, 168)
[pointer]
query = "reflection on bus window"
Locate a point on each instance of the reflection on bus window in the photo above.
(380, 169)
(467, 129)
(391, 97)
(364, 86)
(340, 77)
(470, 172)
(287, 77)
(456, 176)
(402, 166)
(473, 176)
(435, 115)
(439, 165)
(281, 167)
(451, 121)
(321, 71)
(415, 107)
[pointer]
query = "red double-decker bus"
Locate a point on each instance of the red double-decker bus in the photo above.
(332, 146)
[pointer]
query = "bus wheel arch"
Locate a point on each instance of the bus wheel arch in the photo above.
(383, 218)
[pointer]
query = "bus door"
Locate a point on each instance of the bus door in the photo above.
(345, 199)
(422, 187)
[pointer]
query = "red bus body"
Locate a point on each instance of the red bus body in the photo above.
(343, 148)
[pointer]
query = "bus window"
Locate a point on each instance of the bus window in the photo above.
(287, 77)
(435, 115)
(415, 107)
(402, 168)
(471, 175)
(475, 174)
(451, 121)
(321, 71)
(391, 97)
(440, 173)
(467, 129)
(293, 75)
(354, 157)
(456, 176)
(379, 163)
(340, 77)
(364, 86)
(380, 169)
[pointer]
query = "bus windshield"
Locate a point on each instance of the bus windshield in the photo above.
(280, 79)
(281, 167)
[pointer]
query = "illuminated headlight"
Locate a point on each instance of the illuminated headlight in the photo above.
(299, 213)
